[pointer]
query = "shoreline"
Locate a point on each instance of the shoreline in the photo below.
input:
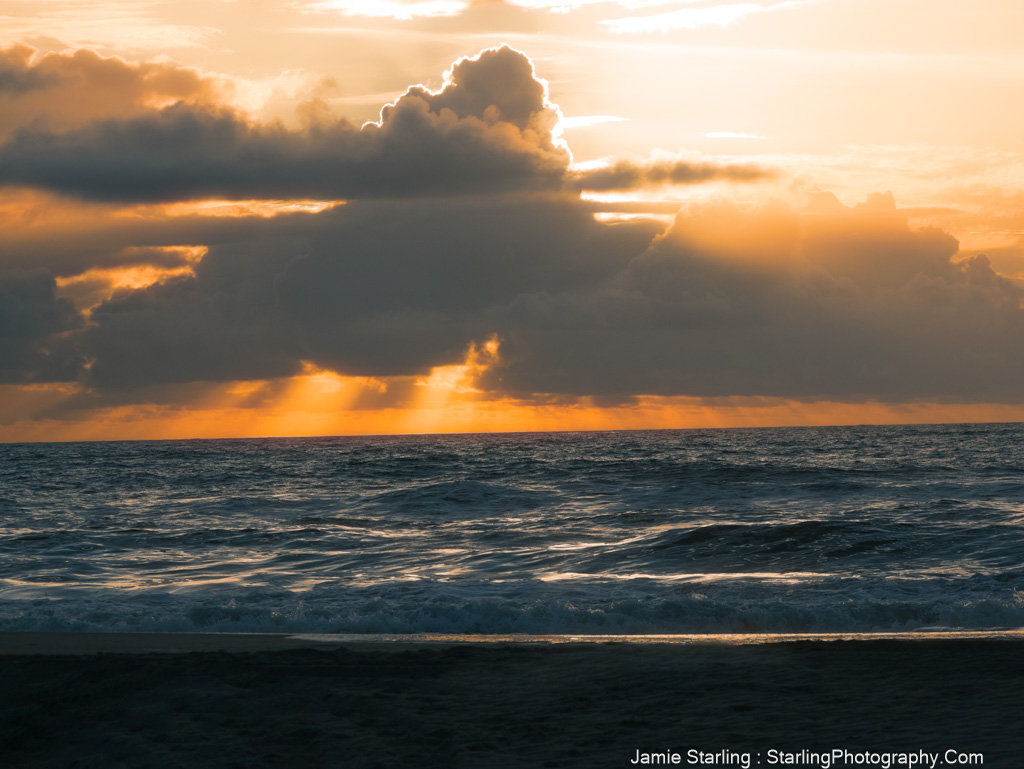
(16, 643)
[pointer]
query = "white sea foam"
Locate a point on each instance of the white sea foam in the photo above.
(518, 608)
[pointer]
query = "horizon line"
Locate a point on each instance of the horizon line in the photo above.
(470, 433)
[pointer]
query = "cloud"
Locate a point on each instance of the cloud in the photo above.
(67, 90)
(871, 245)
(16, 74)
(384, 288)
(70, 238)
(625, 174)
(489, 129)
(219, 325)
(32, 322)
(776, 302)
(833, 302)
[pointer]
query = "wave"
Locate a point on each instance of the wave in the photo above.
(732, 605)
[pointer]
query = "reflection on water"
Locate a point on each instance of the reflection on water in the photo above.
(856, 529)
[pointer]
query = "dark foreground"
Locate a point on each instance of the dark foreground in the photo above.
(512, 706)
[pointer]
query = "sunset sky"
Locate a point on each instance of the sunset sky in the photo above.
(233, 218)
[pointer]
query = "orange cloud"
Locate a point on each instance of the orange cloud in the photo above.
(89, 288)
(67, 90)
(462, 378)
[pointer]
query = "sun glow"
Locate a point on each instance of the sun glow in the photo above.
(586, 121)
(263, 209)
(616, 217)
(461, 378)
(126, 277)
(98, 284)
(323, 403)
(314, 403)
(448, 386)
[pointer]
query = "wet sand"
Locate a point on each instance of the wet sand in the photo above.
(210, 700)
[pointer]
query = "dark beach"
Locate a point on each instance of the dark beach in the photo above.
(213, 700)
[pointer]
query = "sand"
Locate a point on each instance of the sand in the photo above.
(210, 700)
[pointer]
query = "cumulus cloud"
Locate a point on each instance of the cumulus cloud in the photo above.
(67, 90)
(871, 245)
(489, 129)
(17, 76)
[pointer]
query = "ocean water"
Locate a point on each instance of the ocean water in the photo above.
(825, 530)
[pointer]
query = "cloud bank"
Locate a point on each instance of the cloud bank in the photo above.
(464, 224)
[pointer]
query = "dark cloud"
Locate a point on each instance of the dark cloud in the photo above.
(375, 289)
(738, 303)
(727, 302)
(68, 238)
(32, 323)
(488, 130)
(223, 324)
(405, 288)
(625, 175)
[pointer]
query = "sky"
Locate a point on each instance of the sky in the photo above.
(242, 218)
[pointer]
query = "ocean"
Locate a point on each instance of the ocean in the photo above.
(782, 530)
